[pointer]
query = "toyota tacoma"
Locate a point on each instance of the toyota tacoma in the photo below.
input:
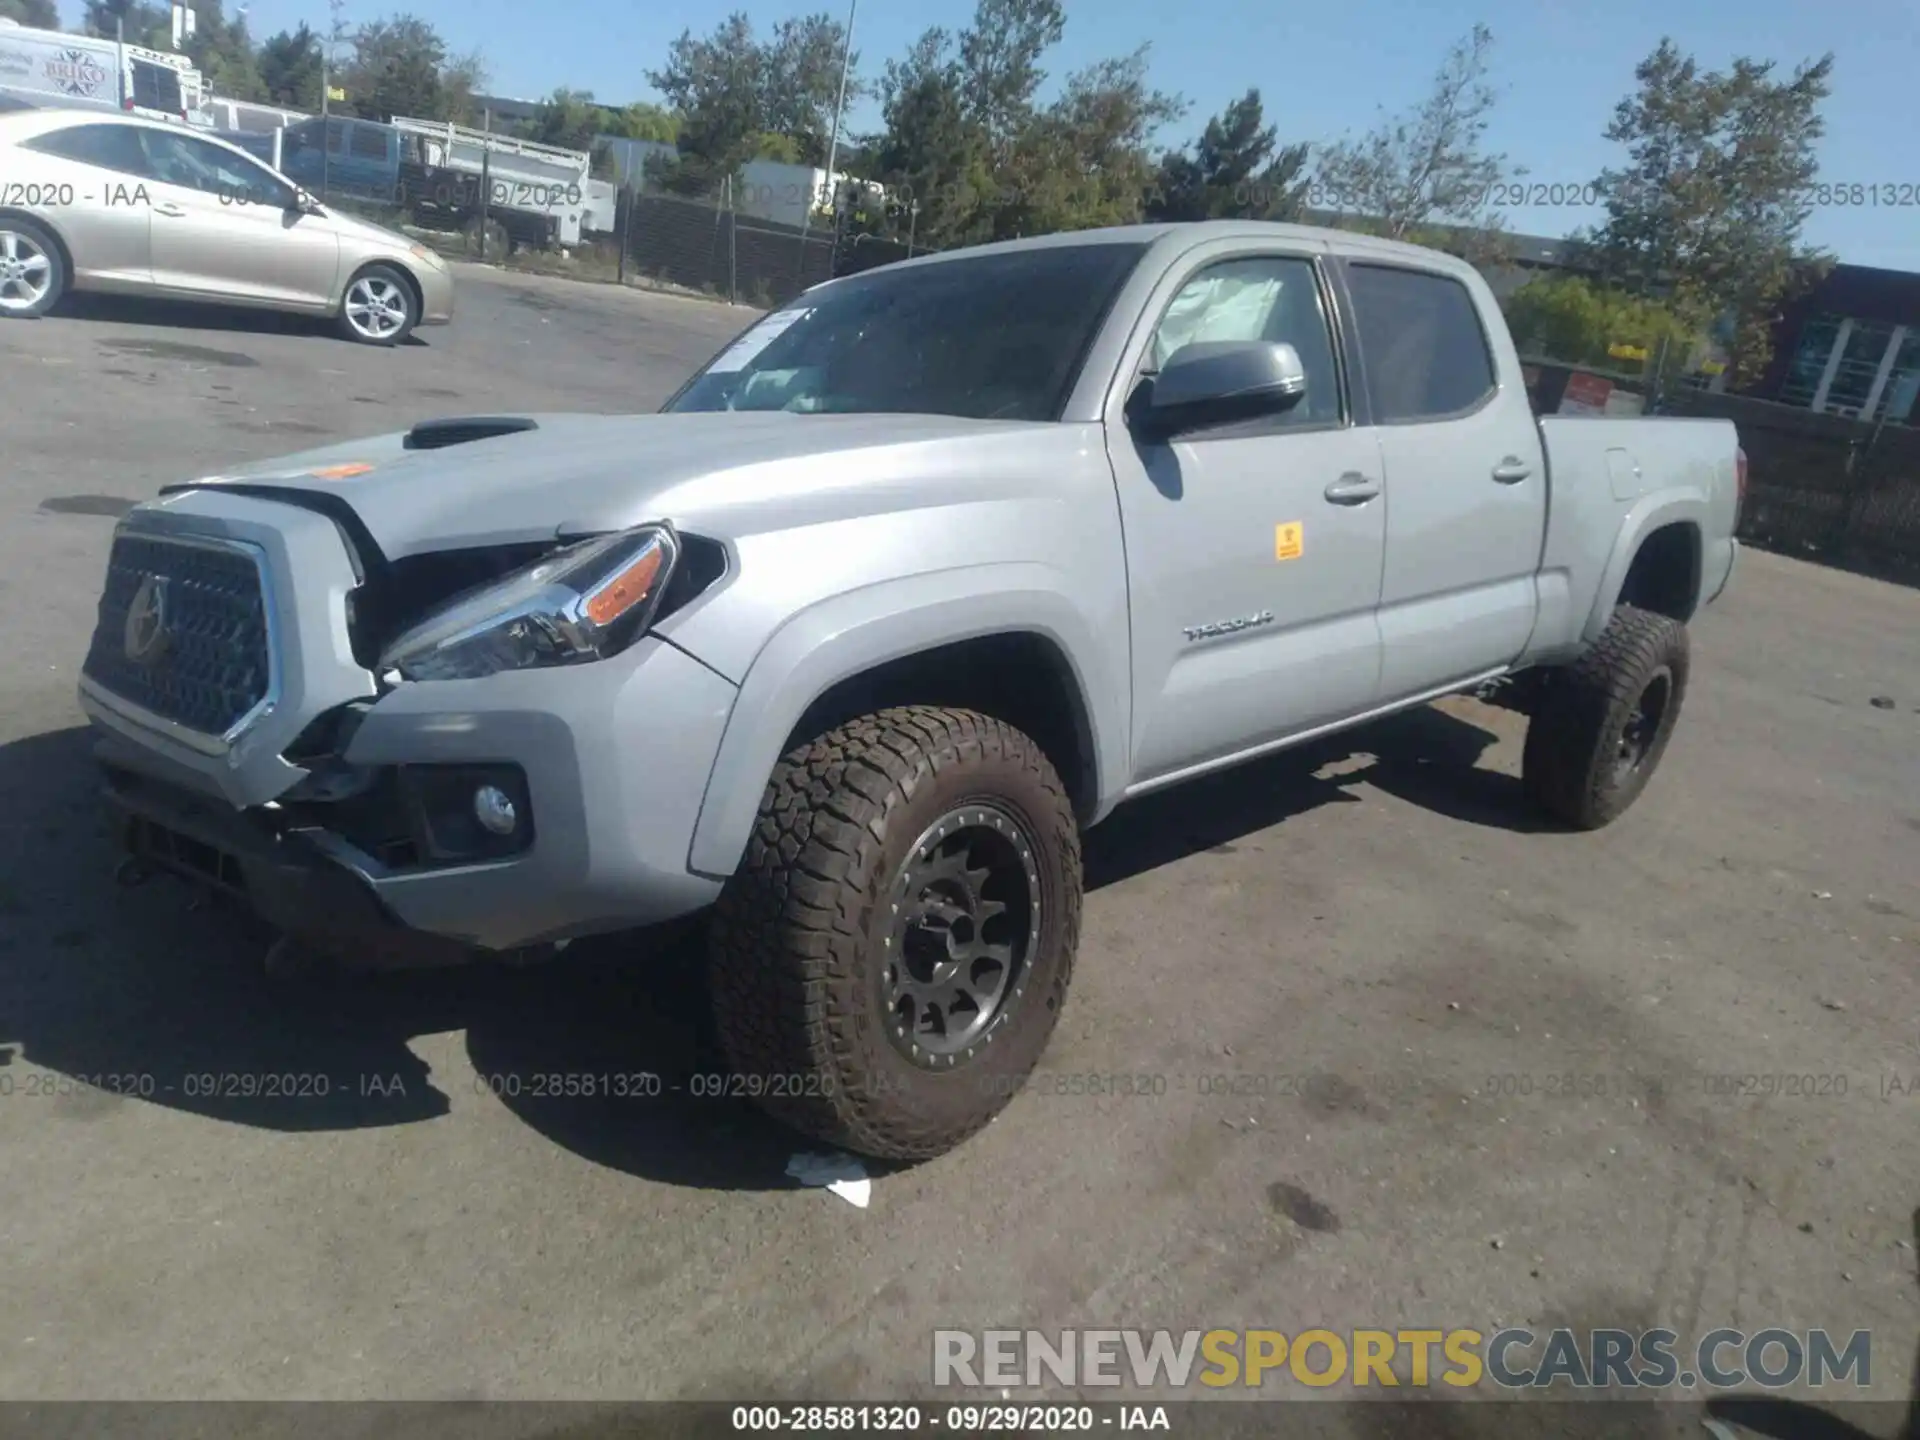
(842, 651)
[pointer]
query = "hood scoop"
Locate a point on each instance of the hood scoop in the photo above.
(464, 429)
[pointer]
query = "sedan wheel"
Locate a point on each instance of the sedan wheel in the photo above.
(32, 276)
(379, 308)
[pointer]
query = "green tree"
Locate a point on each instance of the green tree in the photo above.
(1000, 72)
(716, 85)
(40, 14)
(800, 84)
(733, 91)
(1712, 201)
(1580, 320)
(568, 118)
(146, 24)
(461, 78)
(1427, 167)
(1237, 169)
(932, 153)
(1082, 162)
(290, 66)
(223, 52)
(641, 121)
(395, 70)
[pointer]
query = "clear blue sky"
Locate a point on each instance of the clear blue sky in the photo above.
(1560, 65)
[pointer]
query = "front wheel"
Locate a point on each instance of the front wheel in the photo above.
(1599, 729)
(379, 308)
(32, 275)
(892, 955)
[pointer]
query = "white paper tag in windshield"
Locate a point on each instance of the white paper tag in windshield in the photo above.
(736, 355)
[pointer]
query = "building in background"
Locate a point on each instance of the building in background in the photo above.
(1851, 347)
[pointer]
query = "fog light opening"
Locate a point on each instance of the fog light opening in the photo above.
(494, 809)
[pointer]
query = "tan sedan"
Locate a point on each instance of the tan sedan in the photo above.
(98, 202)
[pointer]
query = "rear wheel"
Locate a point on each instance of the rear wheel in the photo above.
(379, 308)
(1600, 729)
(891, 958)
(33, 276)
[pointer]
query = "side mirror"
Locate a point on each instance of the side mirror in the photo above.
(303, 203)
(1216, 382)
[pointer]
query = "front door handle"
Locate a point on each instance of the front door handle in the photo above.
(1353, 488)
(1512, 470)
(171, 211)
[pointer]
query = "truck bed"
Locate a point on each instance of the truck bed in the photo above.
(1614, 479)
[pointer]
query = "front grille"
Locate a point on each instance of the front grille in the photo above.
(200, 656)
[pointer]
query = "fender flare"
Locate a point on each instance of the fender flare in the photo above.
(1650, 513)
(848, 634)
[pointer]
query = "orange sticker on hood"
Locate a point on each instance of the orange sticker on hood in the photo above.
(341, 472)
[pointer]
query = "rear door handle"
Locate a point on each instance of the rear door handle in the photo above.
(172, 212)
(1353, 488)
(1512, 470)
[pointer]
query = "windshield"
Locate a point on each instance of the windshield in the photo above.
(998, 337)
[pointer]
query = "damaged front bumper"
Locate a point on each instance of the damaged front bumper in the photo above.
(348, 816)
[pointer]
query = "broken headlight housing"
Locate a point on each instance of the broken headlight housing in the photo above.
(583, 602)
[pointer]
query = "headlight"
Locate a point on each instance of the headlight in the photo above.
(582, 603)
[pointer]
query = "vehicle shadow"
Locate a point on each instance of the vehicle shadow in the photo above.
(1776, 1419)
(198, 315)
(608, 1051)
(1427, 757)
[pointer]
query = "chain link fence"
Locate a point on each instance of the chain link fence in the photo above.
(1822, 486)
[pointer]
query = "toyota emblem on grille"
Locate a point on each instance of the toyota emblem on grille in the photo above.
(147, 635)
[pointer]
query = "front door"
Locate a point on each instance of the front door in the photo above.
(224, 227)
(1254, 549)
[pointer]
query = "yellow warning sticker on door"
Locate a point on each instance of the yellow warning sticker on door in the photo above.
(1288, 540)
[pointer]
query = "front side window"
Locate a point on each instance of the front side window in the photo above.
(110, 147)
(1264, 298)
(193, 163)
(1420, 339)
(991, 337)
(367, 143)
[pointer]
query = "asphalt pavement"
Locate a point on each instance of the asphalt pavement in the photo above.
(1399, 1056)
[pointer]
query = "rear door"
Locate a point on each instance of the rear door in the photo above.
(1253, 549)
(1466, 485)
(224, 228)
(105, 220)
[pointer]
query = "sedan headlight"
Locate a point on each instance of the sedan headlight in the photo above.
(585, 602)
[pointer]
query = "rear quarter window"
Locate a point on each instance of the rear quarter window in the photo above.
(1421, 342)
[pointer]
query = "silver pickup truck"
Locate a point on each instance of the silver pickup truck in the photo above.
(917, 579)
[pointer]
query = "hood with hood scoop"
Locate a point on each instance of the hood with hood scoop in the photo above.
(496, 480)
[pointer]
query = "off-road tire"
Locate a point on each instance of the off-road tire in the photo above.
(796, 945)
(1569, 768)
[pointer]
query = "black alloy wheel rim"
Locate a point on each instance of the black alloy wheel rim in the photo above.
(1642, 730)
(961, 934)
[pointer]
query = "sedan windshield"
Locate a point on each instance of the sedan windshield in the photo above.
(995, 337)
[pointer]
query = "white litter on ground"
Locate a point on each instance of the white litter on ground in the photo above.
(844, 1175)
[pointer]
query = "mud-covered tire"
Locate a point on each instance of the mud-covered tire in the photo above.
(1577, 766)
(802, 935)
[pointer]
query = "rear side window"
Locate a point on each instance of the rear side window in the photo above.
(1426, 356)
(111, 147)
(366, 143)
(156, 88)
